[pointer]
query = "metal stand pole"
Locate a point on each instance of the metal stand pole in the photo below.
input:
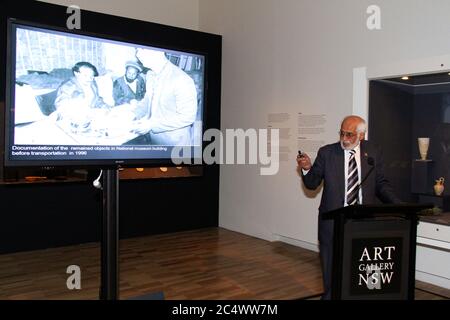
(109, 289)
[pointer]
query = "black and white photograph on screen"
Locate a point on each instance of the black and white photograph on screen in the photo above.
(78, 90)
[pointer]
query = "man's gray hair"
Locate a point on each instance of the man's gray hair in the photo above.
(361, 128)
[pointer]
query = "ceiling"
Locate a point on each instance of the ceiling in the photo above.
(421, 84)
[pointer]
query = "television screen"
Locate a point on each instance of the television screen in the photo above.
(76, 97)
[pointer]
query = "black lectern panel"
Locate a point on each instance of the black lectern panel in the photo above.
(374, 251)
(376, 264)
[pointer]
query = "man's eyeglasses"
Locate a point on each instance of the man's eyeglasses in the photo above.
(347, 134)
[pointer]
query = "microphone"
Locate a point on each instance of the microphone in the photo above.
(96, 183)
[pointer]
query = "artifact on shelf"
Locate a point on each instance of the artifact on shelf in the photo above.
(439, 186)
(424, 144)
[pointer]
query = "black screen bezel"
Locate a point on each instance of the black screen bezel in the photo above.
(107, 27)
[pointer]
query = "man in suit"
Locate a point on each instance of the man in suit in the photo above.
(342, 166)
(168, 111)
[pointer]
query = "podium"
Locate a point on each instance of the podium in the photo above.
(374, 251)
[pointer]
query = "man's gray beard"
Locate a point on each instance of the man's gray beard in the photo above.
(351, 147)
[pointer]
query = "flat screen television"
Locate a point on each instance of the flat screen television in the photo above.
(105, 96)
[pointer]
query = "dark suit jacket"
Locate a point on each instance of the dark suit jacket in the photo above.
(123, 94)
(329, 167)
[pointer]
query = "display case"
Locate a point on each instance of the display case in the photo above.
(42, 175)
(60, 175)
(160, 172)
(410, 120)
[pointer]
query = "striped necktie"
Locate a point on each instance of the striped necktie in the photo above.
(352, 180)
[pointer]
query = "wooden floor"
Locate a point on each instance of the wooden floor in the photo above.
(202, 264)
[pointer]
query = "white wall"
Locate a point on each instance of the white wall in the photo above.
(178, 13)
(298, 56)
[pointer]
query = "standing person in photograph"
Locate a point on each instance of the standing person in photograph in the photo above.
(169, 108)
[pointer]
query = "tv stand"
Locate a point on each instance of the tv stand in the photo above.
(109, 283)
(109, 276)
